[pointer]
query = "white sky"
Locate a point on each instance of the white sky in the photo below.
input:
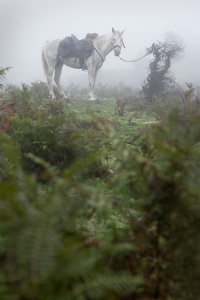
(26, 24)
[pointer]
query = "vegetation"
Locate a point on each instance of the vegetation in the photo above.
(3, 74)
(95, 203)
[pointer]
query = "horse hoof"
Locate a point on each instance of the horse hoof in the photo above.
(52, 97)
(92, 99)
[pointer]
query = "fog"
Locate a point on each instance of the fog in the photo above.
(26, 24)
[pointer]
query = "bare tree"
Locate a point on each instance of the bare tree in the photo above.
(158, 79)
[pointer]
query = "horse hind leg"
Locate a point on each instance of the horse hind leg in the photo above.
(48, 72)
(58, 71)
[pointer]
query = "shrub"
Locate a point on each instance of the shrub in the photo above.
(159, 198)
(39, 90)
(45, 250)
(55, 136)
(3, 74)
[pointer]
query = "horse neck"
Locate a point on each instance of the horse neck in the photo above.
(104, 44)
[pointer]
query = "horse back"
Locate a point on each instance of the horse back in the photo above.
(50, 49)
(72, 47)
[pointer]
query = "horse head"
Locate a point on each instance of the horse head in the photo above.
(117, 41)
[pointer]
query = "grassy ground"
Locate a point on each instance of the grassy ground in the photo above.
(106, 108)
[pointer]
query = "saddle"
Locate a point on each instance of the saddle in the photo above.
(73, 47)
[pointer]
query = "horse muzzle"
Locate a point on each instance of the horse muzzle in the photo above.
(117, 50)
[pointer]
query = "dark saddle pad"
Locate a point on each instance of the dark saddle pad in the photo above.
(72, 47)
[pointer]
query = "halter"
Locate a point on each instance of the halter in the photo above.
(119, 46)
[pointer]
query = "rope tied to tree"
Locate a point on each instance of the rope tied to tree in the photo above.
(135, 60)
(148, 52)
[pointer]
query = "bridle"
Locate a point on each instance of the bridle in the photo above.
(114, 46)
(118, 46)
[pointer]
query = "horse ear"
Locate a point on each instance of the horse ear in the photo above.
(113, 30)
(122, 31)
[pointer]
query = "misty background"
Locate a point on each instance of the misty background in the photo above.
(26, 24)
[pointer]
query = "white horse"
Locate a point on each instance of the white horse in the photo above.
(103, 45)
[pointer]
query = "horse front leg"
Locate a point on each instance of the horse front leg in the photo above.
(91, 79)
(49, 82)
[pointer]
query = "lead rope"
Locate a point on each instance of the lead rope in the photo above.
(135, 59)
(120, 57)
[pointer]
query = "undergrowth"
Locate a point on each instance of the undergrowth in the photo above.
(89, 212)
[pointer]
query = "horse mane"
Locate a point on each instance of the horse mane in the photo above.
(99, 38)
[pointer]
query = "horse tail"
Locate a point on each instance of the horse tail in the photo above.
(44, 64)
